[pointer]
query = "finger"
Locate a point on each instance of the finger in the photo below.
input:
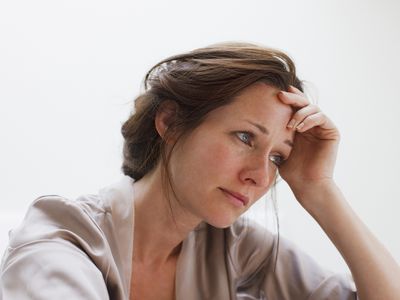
(295, 90)
(314, 120)
(301, 114)
(295, 100)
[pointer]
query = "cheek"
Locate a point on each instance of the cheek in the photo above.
(213, 163)
(208, 161)
(220, 153)
(223, 159)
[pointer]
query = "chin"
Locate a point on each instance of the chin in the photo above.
(221, 222)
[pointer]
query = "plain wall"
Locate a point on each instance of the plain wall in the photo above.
(69, 71)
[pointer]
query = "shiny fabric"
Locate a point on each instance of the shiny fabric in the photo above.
(82, 249)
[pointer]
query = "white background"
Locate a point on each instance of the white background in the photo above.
(69, 71)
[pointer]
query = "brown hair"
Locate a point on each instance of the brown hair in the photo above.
(197, 82)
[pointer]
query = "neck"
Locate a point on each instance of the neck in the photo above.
(161, 222)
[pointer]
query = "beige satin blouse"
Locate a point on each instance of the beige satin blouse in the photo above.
(82, 249)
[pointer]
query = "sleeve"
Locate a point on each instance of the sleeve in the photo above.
(56, 253)
(295, 275)
(264, 270)
(50, 270)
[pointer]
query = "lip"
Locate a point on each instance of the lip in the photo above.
(238, 196)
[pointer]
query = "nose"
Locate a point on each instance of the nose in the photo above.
(257, 172)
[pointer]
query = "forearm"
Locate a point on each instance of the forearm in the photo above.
(375, 272)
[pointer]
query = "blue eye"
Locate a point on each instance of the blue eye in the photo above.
(245, 137)
(277, 159)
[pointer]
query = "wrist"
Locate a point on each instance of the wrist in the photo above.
(314, 194)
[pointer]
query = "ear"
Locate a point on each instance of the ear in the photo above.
(165, 116)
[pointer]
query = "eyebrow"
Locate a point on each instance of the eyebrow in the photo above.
(265, 131)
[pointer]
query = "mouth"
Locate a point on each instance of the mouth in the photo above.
(236, 197)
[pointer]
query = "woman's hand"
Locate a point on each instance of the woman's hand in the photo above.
(309, 172)
(312, 160)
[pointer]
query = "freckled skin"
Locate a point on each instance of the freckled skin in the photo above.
(213, 157)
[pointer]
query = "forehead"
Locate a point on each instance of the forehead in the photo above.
(258, 105)
(259, 101)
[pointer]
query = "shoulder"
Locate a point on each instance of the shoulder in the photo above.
(56, 242)
(83, 243)
(56, 217)
(278, 267)
(87, 220)
(46, 269)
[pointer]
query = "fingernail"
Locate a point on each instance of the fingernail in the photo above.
(291, 123)
(300, 126)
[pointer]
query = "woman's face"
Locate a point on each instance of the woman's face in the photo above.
(229, 161)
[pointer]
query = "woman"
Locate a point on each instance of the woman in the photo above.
(207, 139)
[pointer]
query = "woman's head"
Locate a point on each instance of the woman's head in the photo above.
(192, 85)
(231, 158)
